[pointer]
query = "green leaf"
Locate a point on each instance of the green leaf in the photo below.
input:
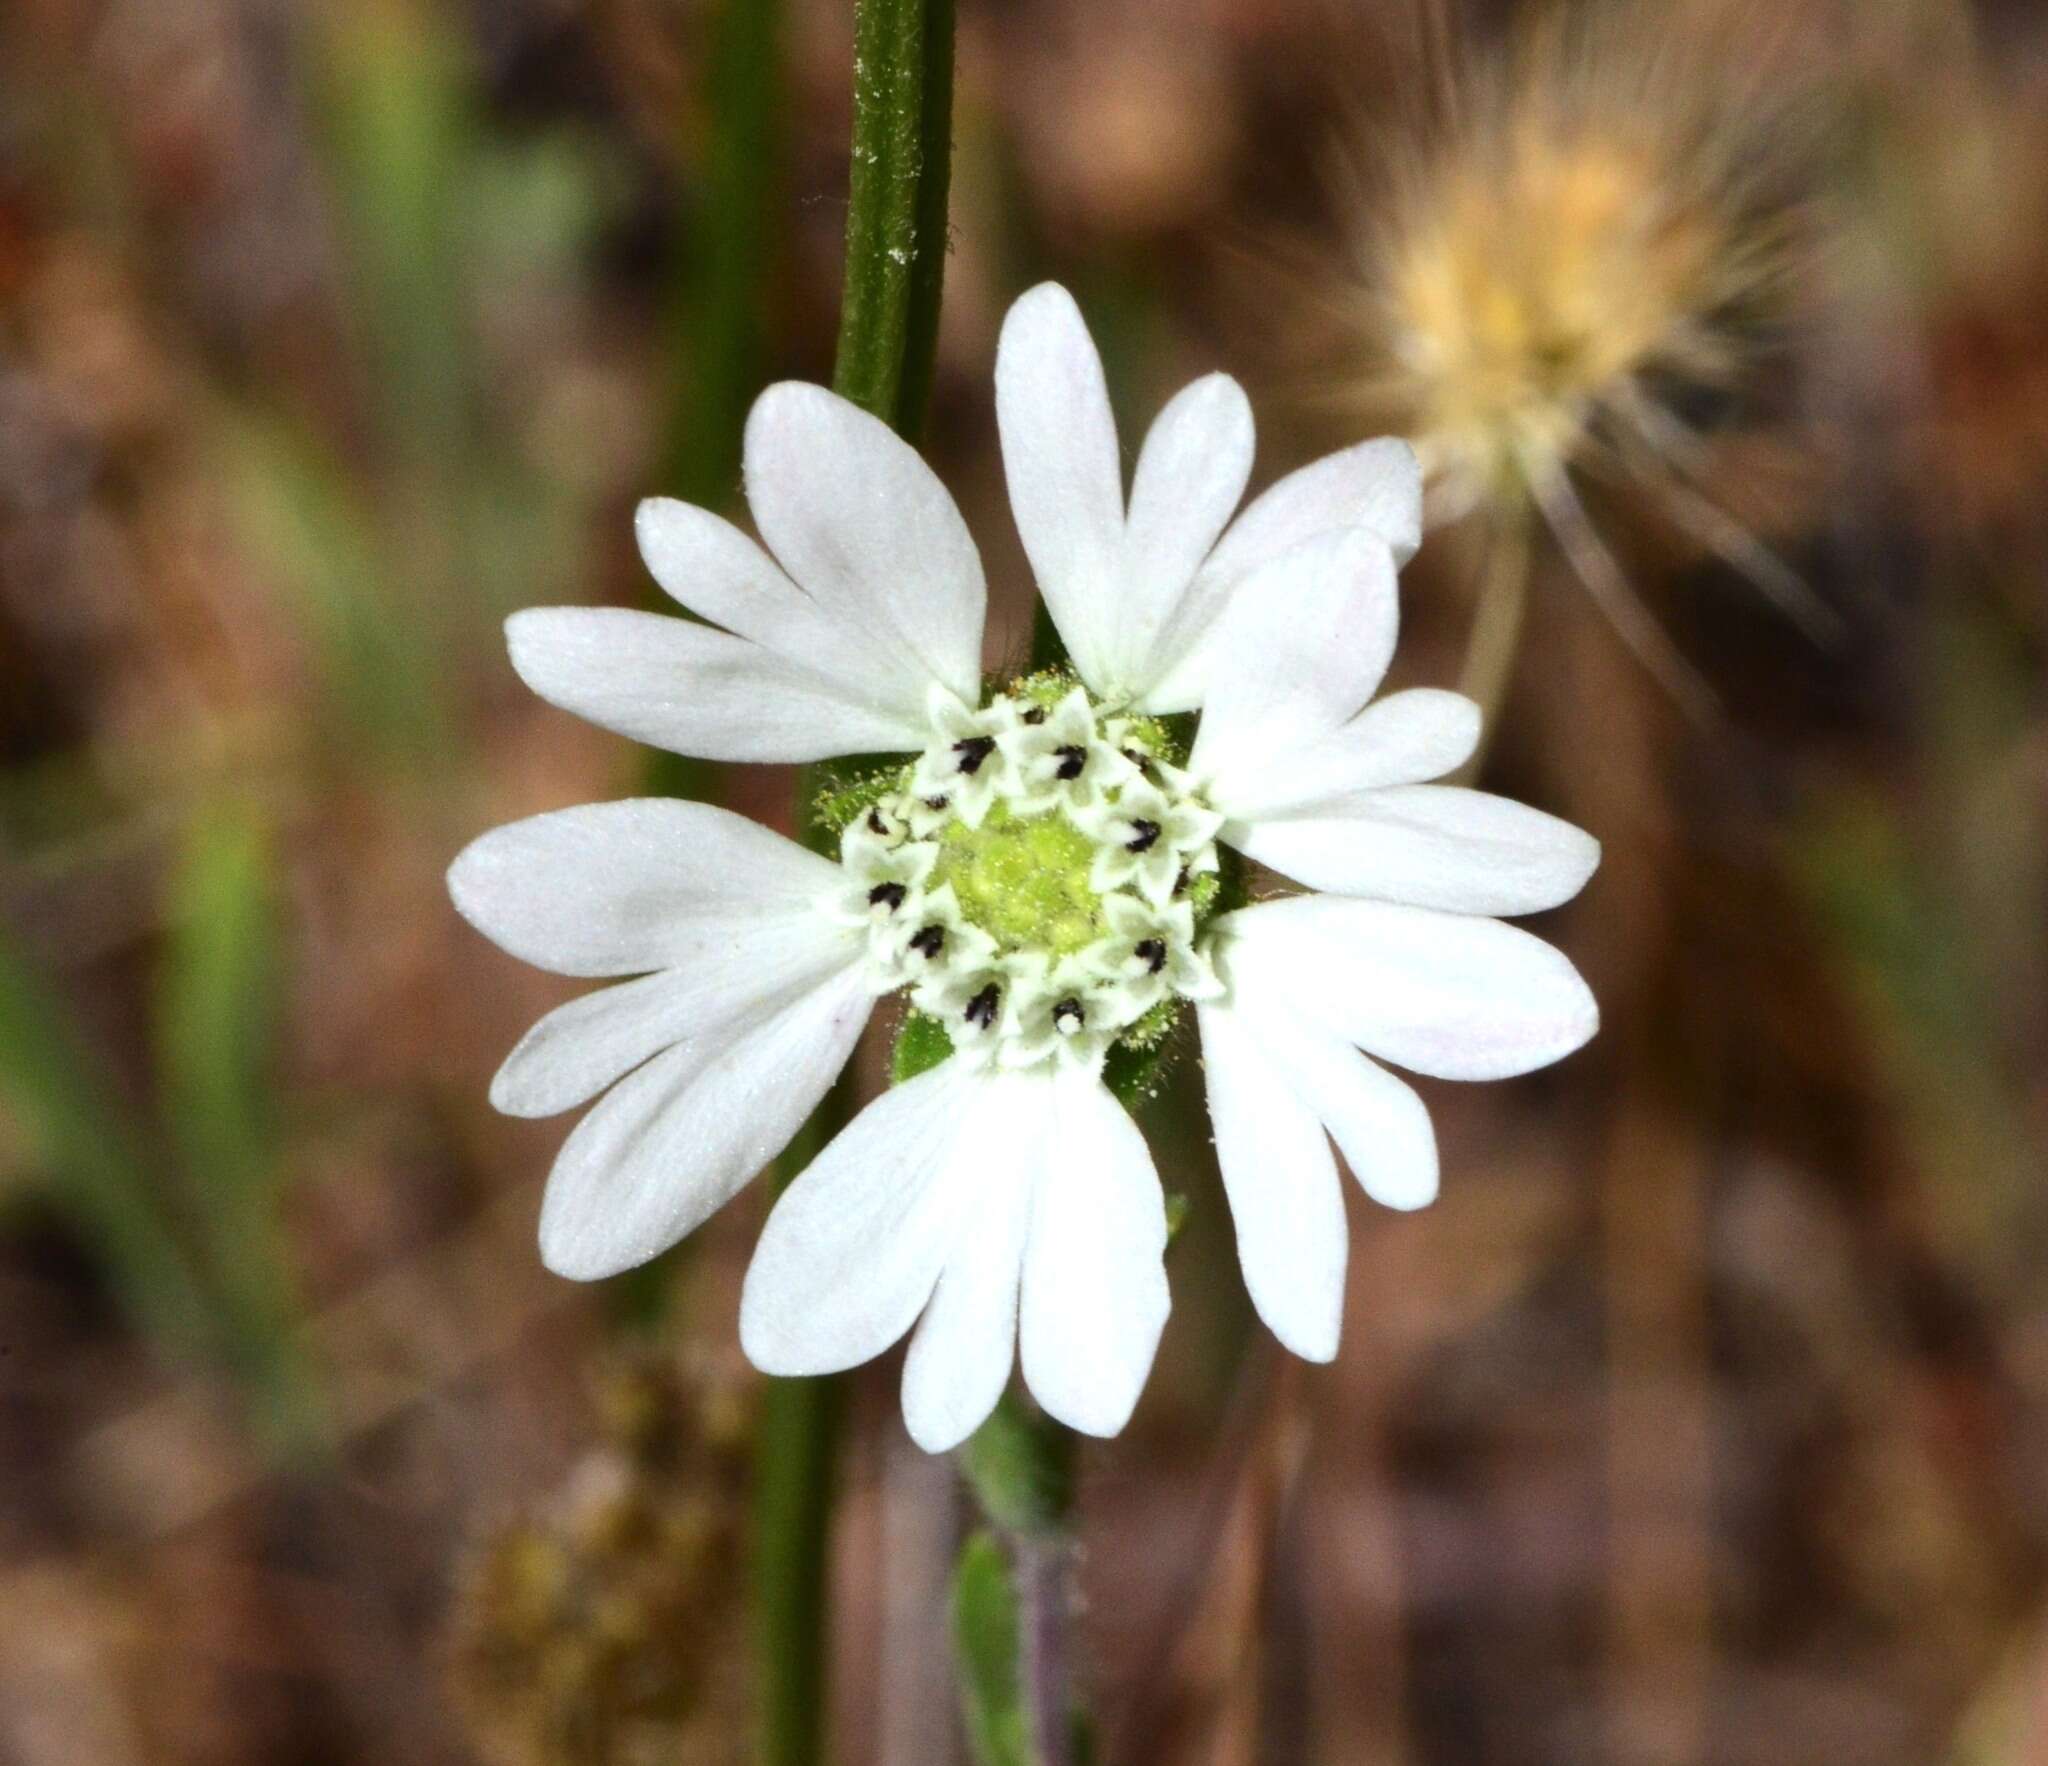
(216, 1030)
(294, 502)
(215, 1018)
(83, 1136)
(397, 139)
(985, 1643)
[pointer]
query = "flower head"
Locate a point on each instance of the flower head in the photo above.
(1042, 870)
(1593, 245)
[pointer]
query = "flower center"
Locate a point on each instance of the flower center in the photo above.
(1023, 879)
(1038, 878)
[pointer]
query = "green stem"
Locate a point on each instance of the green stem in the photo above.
(1045, 1604)
(896, 223)
(888, 334)
(1020, 1465)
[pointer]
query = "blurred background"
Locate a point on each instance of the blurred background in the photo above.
(1701, 1421)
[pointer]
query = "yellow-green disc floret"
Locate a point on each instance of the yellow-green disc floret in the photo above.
(1024, 880)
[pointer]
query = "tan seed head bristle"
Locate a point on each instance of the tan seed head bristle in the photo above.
(1583, 232)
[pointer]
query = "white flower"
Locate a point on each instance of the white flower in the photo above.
(1041, 871)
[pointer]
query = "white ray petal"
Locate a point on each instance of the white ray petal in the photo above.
(863, 526)
(965, 1345)
(671, 1143)
(626, 888)
(1065, 474)
(1309, 637)
(1403, 739)
(1434, 846)
(1451, 995)
(720, 574)
(1379, 1124)
(1191, 472)
(739, 972)
(1285, 1200)
(1094, 1295)
(1376, 486)
(695, 690)
(854, 1248)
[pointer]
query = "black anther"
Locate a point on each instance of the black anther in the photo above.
(973, 751)
(1152, 952)
(930, 942)
(1073, 758)
(981, 1009)
(1146, 838)
(886, 895)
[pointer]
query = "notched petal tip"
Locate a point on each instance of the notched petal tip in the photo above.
(519, 628)
(1223, 394)
(786, 425)
(1469, 715)
(540, 1077)
(1046, 334)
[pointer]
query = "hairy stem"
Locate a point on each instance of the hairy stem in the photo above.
(888, 331)
(1020, 1465)
(896, 222)
(1044, 1602)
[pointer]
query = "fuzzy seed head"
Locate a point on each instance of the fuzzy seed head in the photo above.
(1583, 236)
